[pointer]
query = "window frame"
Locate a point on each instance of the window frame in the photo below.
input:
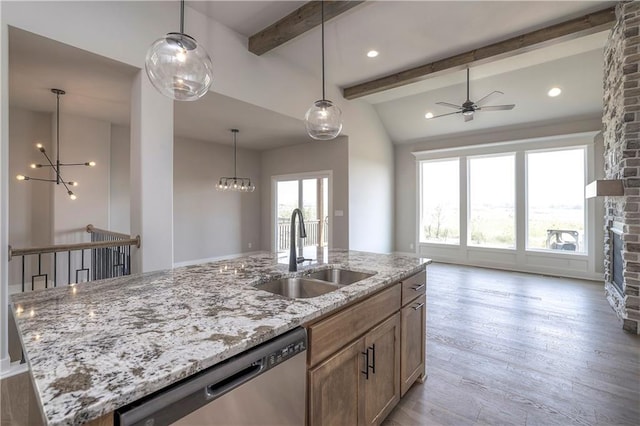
(420, 204)
(468, 159)
(519, 148)
(585, 209)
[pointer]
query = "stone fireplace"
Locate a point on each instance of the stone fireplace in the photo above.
(621, 132)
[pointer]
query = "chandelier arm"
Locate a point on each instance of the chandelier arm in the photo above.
(72, 164)
(41, 180)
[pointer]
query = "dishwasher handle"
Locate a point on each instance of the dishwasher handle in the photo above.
(218, 389)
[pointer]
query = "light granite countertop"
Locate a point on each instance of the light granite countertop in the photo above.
(95, 347)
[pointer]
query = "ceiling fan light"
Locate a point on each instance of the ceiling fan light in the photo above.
(323, 120)
(469, 112)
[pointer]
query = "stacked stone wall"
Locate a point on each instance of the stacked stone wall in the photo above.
(621, 131)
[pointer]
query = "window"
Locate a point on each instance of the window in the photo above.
(555, 200)
(440, 202)
(492, 201)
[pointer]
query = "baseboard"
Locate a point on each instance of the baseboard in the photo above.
(532, 270)
(214, 259)
(11, 368)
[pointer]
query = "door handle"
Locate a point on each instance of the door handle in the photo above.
(373, 358)
(366, 364)
(419, 287)
(415, 308)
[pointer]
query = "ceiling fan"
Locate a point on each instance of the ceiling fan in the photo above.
(468, 108)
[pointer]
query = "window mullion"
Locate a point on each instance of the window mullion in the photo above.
(464, 201)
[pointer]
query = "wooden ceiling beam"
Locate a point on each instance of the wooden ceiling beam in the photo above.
(296, 23)
(574, 28)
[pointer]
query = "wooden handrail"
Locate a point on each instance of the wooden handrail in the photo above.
(93, 230)
(71, 247)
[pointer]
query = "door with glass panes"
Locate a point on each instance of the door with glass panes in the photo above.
(311, 194)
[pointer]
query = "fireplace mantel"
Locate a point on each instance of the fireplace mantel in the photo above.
(604, 187)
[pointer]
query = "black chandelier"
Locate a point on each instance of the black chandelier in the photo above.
(58, 165)
(235, 183)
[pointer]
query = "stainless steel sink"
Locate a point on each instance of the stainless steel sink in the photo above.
(340, 276)
(298, 288)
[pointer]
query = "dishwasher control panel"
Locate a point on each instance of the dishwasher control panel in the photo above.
(283, 354)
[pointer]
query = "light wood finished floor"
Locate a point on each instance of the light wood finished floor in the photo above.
(520, 349)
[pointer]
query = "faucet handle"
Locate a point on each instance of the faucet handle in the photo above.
(301, 259)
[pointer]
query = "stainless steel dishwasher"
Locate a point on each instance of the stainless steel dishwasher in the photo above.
(265, 385)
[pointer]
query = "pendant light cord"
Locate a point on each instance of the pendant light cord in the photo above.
(235, 132)
(322, 28)
(181, 16)
(58, 177)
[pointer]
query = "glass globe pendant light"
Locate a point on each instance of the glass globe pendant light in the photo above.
(178, 67)
(324, 119)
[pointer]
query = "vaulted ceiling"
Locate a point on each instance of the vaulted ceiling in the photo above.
(406, 34)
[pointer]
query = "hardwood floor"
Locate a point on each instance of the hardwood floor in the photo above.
(521, 349)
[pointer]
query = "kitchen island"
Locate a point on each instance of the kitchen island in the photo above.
(95, 347)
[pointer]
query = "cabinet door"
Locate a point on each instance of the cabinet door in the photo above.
(382, 387)
(335, 388)
(414, 333)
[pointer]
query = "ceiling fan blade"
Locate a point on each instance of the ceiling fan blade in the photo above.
(496, 107)
(447, 104)
(443, 115)
(468, 117)
(495, 92)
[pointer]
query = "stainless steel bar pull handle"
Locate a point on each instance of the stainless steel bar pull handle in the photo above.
(419, 287)
(415, 308)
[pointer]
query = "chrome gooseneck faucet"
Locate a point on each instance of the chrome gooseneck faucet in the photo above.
(293, 259)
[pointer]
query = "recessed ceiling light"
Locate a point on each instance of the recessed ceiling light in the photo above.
(372, 53)
(554, 91)
(428, 115)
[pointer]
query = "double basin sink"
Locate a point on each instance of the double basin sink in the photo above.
(313, 284)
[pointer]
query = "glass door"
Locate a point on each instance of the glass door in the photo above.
(311, 195)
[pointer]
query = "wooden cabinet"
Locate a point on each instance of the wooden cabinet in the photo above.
(413, 362)
(362, 358)
(359, 385)
(414, 331)
(335, 388)
(382, 385)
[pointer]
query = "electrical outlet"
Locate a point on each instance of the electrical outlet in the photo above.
(250, 245)
(411, 246)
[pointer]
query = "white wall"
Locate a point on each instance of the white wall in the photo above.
(370, 181)
(210, 223)
(119, 180)
(305, 158)
(82, 139)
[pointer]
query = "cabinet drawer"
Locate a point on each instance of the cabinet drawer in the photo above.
(413, 287)
(330, 334)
